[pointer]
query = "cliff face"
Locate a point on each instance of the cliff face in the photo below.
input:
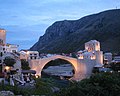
(70, 35)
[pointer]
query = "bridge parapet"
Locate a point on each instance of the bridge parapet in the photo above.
(82, 68)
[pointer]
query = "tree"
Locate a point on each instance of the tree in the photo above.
(95, 70)
(9, 61)
(74, 55)
(101, 84)
(24, 64)
(115, 66)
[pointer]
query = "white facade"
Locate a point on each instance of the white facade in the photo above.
(108, 57)
(99, 57)
(116, 59)
(29, 55)
(92, 45)
(33, 54)
(11, 48)
(92, 53)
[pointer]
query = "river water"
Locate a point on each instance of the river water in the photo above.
(61, 70)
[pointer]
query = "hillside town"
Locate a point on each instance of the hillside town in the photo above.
(11, 69)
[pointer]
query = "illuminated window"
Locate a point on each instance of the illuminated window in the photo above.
(80, 57)
(92, 57)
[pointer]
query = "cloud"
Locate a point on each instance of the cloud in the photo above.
(32, 17)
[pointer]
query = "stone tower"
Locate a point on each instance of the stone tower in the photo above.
(2, 36)
(92, 45)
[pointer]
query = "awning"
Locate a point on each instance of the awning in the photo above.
(29, 71)
(98, 65)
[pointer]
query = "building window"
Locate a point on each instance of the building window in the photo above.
(1, 54)
(1, 41)
(0, 61)
(31, 58)
(3, 48)
(80, 57)
(0, 68)
(35, 57)
(14, 51)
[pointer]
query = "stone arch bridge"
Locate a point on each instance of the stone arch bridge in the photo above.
(80, 67)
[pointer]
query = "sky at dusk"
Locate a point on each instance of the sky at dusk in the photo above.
(27, 20)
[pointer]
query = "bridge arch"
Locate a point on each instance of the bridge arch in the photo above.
(82, 68)
(39, 64)
(67, 62)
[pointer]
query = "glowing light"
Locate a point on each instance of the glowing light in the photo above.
(27, 52)
(36, 76)
(111, 71)
(7, 68)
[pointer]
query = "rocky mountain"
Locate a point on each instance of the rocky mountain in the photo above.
(70, 35)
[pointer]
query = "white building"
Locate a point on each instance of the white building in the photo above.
(92, 53)
(11, 48)
(7, 49)
(28, 55)
(116, 59)
(92, 45)
(108, 57)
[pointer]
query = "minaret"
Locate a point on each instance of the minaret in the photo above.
(3, 36)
